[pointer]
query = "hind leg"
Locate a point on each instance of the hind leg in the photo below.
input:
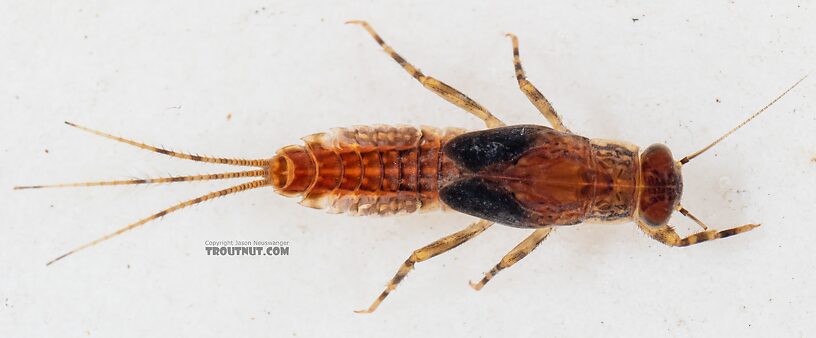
(535, 96)
(440, 88)
(431, 250)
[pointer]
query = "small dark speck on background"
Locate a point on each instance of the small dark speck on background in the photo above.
(635, 19)
(717, 99)
(229, 116)
(46, 151)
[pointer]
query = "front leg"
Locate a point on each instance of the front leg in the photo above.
(666, 235)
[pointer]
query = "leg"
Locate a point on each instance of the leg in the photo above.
(666, 235)
(520, 251)
(532, 93)
(431, 250)
(446, 92)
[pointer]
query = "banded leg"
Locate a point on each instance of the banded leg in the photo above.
(518, 253)
(440, 88)
(431, 250)
(535, 96)
(666, 235)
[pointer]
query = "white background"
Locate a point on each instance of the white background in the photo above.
(170, 73)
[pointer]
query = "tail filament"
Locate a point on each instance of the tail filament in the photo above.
(264, 164)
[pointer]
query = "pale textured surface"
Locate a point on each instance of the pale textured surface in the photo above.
(170, 73)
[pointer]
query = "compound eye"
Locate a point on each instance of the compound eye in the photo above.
(656, 214)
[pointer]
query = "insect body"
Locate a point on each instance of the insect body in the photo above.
(524, 176)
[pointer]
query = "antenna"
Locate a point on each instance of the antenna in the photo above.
(690, 157)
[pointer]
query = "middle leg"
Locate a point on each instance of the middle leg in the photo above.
(520, 251)
(535, 96)
(440, 88)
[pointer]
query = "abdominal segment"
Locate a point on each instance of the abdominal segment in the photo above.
(377, 170)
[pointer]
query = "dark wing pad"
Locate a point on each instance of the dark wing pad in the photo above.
(479, 149)
(476, 197)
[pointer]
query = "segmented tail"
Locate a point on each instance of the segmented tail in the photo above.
(219, 160)
(264, 164)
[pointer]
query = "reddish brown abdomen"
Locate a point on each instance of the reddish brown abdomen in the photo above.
(378, 170)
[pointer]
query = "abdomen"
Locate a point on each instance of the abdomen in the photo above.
(366, 170)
